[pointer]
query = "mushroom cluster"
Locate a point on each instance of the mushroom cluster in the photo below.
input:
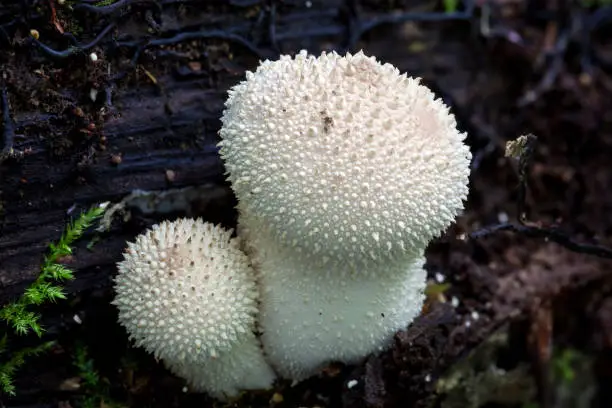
(344, 170)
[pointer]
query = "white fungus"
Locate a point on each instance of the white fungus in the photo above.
(311, 315)
(187, 294)
(343, 157)
(344, 170)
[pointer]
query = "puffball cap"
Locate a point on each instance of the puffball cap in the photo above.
(343, 157)
(185, 291)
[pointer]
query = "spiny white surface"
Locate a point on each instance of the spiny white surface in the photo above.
(312, 315)
(185, 290)
(187, 294)
(241, 368)
(344, 157)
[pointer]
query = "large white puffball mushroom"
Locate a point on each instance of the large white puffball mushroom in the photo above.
(344, 157)
(311, 315)
(187, 294)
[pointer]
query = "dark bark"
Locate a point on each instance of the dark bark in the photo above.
(55, 161)
(39, 190)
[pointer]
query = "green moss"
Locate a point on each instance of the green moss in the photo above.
(15, 361)
(95, 388)
(21, 314)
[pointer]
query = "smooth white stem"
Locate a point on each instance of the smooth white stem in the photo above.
(311, 316)
(241, 368)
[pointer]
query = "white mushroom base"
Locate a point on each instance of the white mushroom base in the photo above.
(231, 372)
(311, 316)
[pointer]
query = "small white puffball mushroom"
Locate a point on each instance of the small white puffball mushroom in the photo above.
(344, 157)
(187, 294)
(312, 315)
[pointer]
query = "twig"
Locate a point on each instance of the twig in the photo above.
(194, 35)
(76, 48)
(551, 234)
(54, 20)
(523, 149)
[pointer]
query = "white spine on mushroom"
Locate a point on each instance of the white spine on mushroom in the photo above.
(187, 294)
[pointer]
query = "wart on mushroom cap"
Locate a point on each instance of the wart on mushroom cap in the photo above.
(344, 158)
(187, 294)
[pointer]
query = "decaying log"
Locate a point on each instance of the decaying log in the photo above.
(158, 149)
(156, 113)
